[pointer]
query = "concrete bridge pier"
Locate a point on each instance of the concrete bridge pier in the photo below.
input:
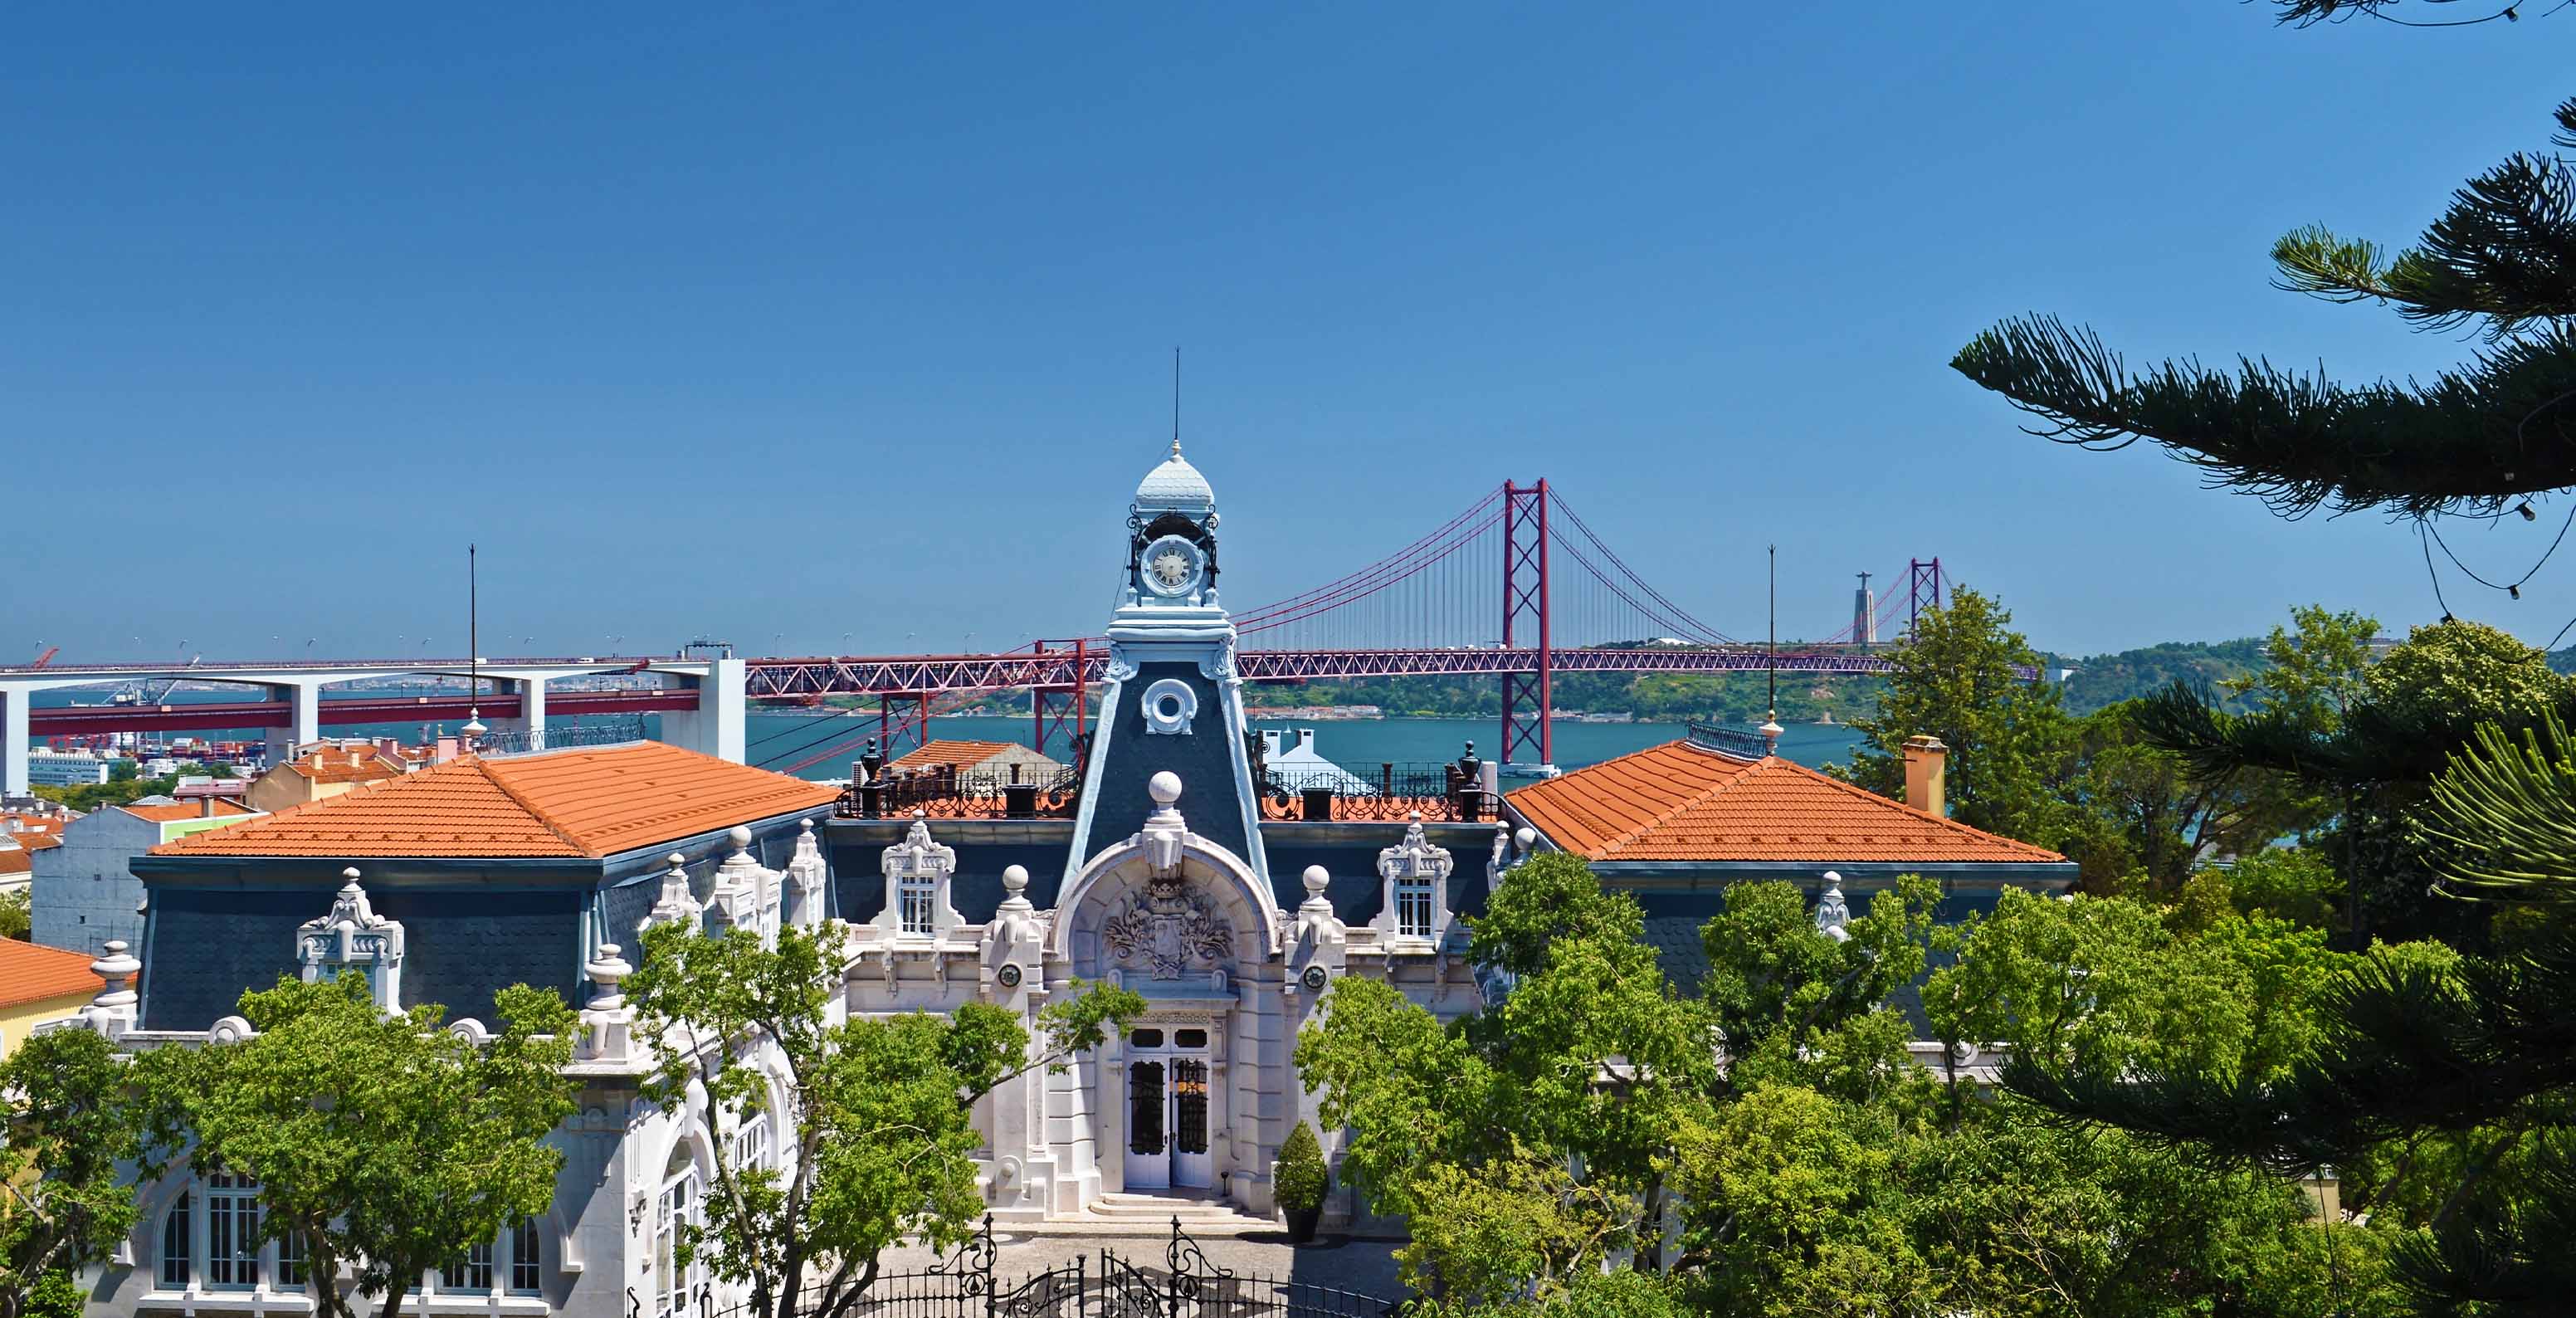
(305, 723)
(13, 739)
(716, 726)
(530, 688)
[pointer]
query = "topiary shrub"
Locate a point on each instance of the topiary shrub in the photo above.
(1299, 1179)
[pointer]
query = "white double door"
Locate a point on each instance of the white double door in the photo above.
(1168, 1093)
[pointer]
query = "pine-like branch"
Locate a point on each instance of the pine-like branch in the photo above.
(2476, 436)
(2502, 257)
(2506, 808)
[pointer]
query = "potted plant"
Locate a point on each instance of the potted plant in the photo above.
(1299, 1180)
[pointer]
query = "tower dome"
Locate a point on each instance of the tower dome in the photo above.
(1176, 485)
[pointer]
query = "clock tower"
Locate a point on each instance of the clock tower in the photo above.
(1174, 701)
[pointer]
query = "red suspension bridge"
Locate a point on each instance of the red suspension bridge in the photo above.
(1517, 587)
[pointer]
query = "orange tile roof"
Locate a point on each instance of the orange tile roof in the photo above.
(16, 860)
(578, 803)
(29, 973)
(959, 753)
(1680, 802)
(171, 814)
(39, 841)
(333, 764)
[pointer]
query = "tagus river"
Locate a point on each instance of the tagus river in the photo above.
(1355, 744)
(780, 741)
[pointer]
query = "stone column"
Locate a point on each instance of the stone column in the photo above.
(305, 723)
(13, 739)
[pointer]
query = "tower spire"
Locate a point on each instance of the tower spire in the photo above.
(1176, 400)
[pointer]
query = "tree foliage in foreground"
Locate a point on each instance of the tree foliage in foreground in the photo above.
(2501, 261)
(2441, 1085)
(1817, 1170)
(876, 1114)
(386, 1143)
(67, 1122)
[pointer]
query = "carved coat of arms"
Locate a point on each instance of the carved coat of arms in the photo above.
(1168, 926)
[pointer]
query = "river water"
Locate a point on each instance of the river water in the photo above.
(783, 741)
(1356, 744)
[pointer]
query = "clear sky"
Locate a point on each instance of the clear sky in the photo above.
(837, 319)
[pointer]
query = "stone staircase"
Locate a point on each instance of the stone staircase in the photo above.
(1200, 1215)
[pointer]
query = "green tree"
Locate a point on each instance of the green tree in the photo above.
(877, 1116)
(2501, 260)
(69, 1122)
(2313, 675)
(1958, 679)
(2111, 985)
(16, 918)
(1527, 1142)
(384, 1142)
(1792, 1004)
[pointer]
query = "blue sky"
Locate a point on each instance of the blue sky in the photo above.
(829, 320)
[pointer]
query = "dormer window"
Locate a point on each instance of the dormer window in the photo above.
(1414, 879)
(917, 872)
(352, 938)
(1413, 906)
(917, 891)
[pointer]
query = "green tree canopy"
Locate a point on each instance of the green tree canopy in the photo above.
(385, 1142)
(1964, 678)
(1526, 1142)
(70, 1127)
(877, 1113)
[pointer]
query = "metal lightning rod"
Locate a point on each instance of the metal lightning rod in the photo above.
(474, 652)
(1771, 722)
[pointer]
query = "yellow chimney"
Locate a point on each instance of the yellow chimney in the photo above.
(1927, 764)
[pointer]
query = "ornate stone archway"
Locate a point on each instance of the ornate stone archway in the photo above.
(1184, 923)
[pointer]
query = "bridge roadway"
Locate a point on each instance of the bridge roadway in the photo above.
(700, 699)
(703, 700)
(1055, 669)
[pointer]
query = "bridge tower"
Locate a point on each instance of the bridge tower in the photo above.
(1922, 590)
(1527, 699)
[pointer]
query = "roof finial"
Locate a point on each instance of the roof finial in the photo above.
(1176, 400)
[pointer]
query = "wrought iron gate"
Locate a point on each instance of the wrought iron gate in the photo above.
(1187, 1285)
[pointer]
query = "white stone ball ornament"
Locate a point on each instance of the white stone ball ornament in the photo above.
(1165, 787)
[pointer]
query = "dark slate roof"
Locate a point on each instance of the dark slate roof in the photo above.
(205, 946)
(1204, 760)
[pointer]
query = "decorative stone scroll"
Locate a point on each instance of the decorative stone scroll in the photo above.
(1169, 927)
(676, 905)
(351, 936)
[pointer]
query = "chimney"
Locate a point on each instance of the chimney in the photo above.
(1927, 764)
(206, 807)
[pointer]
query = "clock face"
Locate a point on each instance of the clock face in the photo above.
(1171, 566)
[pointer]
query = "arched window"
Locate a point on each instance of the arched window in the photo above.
(176, 1252)
(210, 1241)
(676, 1209)
(751, 1143)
